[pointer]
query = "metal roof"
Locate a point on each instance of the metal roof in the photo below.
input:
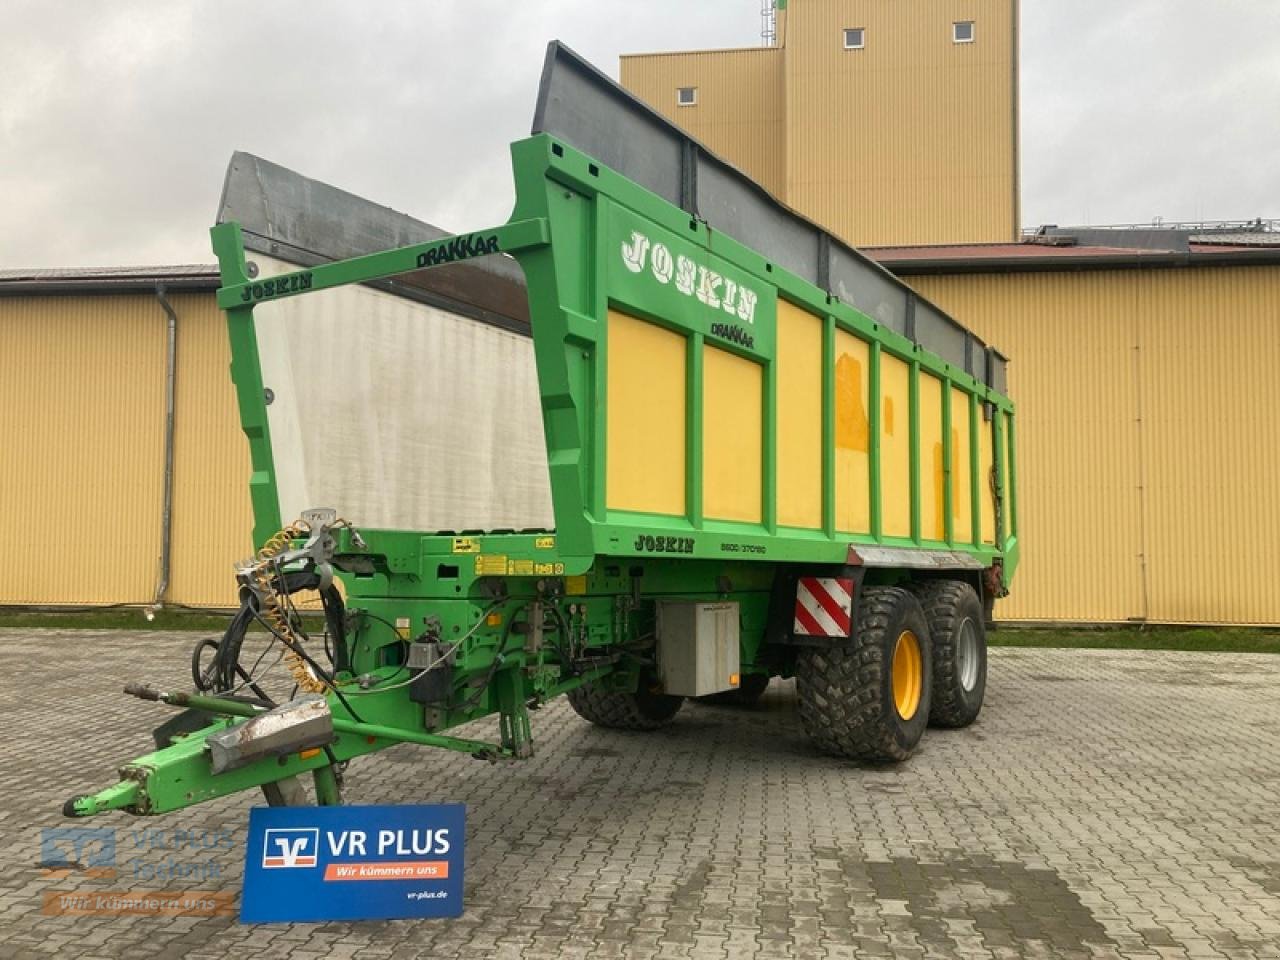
(1252, 238)
(53, 280)
(1028, 256)
(981, 251)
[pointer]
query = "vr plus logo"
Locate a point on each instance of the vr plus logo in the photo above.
(291, 847)
(63, 849)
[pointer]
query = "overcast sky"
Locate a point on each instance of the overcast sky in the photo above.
(117, 119)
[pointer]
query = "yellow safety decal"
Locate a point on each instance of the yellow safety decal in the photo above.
(575, 586)
(491, 564)
(548, 569)
(466, 545)
(545, 543)
(520, 568)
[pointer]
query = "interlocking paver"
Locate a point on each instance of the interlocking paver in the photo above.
(1105, 805)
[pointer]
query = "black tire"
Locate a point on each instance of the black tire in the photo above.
(748, 692)
(957, 628)
(620, 710)
(846, 691)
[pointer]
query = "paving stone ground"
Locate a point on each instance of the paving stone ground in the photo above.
(1104, 805)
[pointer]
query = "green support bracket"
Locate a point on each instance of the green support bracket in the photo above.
(516, 736)
(509, 238)
(948, 461)
(328, 793)
(975, 470)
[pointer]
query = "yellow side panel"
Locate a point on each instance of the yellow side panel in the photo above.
(732, 436)
(895, 446)
(799, 417)
(853, 479)
(961, 462)
(986, 490)
(646, 419)
(933, 476)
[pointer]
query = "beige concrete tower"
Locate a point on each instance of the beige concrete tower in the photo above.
(887, 121)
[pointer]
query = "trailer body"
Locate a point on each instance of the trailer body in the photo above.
(733, 446)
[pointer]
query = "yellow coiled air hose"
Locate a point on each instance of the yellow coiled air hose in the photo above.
(272, 611)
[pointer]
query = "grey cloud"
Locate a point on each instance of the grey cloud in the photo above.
(116, 120)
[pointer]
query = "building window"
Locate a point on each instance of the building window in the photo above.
(686, 96)
(962, 32)
(855, 38)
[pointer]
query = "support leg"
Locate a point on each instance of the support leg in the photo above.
(328, 794)
(514, 723)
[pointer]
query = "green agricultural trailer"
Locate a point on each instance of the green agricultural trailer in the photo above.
(765, 456)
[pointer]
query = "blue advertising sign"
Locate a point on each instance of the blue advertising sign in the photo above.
(309, 864)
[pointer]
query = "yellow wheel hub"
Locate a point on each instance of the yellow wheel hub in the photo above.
(907, 674)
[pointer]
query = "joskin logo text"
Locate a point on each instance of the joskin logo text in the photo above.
(290, 283)
(692, 279)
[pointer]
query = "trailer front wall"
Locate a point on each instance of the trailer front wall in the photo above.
(1149, 456)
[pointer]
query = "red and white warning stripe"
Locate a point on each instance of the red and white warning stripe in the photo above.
(823, 606)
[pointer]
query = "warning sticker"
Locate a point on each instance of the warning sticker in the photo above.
(500, 565)
(491, 564)
(466, 545)
(545, 543)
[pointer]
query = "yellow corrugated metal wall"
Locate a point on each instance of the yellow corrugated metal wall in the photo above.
(739, 109)
(1148, 453)
(213, 516)
(1149, 459)
(910, 140)
(81, 476)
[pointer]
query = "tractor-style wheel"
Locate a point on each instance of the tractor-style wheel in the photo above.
(956, 626)
(643, 709)
(868, 698)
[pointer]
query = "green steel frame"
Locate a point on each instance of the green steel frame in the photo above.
(572, 216)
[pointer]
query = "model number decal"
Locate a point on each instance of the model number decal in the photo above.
(292, 283)
(734, 334)
(459, 248)
(647, 544)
